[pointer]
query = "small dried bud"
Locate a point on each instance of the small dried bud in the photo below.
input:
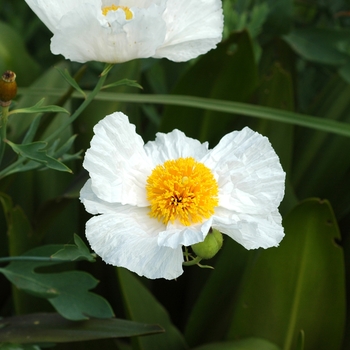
(8, 88)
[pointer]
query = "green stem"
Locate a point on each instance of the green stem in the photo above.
(86, 102)
(31, 258)
(7, 170)
(195, 261)
(3, 126)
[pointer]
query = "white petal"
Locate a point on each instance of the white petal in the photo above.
(93, 204)
(129, 240)
(177, 234)
(51, 12)
(88, 35)
(251, 231)
(117, 163)
(193, 28)
(134, 3)
(174, 145)
(249, 173)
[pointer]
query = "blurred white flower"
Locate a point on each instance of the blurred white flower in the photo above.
(155, 198)
(122, 30)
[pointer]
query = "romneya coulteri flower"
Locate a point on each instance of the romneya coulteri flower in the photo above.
(150, 200)
(116, 31)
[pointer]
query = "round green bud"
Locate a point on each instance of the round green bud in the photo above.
(210, 246)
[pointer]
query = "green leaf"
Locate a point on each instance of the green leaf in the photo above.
(30, 134)
(141, 306)
(35, 151)
(321, 168)
(70, 80)
(67, 291)
(297, 286)
(38, 108)
(72, 252)
(66, 146)
(323, 45)
(244, 344)
(53, 328)
(211, 104)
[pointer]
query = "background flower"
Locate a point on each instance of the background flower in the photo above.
(119, 31)
(246, 169)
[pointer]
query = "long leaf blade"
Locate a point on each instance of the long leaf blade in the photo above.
(246, 109)
(297, 286)
(53, 328)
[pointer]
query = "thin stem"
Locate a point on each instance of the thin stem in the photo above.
(195, 261)
(8, 170)
(3, 126)
(31, 258)
(86, 102)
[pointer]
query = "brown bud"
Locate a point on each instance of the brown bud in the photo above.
(8, 88)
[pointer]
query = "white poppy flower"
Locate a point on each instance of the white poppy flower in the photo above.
(151, 199)
(116, 31)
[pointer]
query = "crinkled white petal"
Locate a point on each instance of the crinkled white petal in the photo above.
(92, 203)
(251, 231)
(193, 28)
(88, 35)
(177, 234)
(248, 171)
(129, 239)
(51, 12)
(117, 163)
(174, 145)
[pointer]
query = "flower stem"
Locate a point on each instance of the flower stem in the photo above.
(3, 126)
(8, 169)
(31, 258)
(192, 262)
(86, 102)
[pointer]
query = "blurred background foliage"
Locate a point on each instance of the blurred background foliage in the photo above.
(283, 54)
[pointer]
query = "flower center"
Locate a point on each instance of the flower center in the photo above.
(128, 13)
(183, 190)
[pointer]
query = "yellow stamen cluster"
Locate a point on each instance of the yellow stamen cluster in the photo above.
(128, 13)
(182, 190)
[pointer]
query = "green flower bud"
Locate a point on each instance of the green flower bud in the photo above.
(210, 246)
